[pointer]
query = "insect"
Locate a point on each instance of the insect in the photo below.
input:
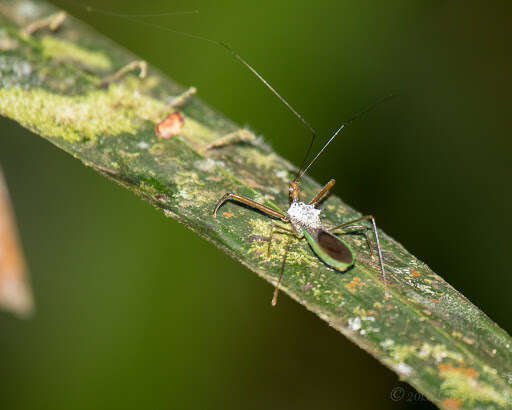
(301, 219)
(304, 220)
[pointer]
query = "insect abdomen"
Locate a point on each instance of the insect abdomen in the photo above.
(330, 249)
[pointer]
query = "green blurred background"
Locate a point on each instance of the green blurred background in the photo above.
(136, 312)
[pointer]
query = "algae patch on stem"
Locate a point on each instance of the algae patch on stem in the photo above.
(111, 112)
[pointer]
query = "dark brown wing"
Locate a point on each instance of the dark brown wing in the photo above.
(334, 247)
(330, 249)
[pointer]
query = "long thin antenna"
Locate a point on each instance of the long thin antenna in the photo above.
(342, 126)
(228, 48)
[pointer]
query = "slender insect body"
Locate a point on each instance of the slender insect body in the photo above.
(305, 220)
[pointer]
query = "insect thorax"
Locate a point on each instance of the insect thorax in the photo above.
(304, 216)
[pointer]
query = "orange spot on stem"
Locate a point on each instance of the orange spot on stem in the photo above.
(170, 125)
(354, 283)
(451, 404)
(446, 368)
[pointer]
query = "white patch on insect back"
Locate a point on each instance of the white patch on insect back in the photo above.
(304, 215)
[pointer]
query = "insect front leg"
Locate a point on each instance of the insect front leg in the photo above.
(231, 196)
(323, 193)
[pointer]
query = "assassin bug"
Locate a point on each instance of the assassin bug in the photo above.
(304, 218)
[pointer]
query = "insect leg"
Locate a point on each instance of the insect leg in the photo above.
(323, 192)
(283, 229)
(231, 196)
(276, 290)
(270, 238)
(379, 250)
(364, 229)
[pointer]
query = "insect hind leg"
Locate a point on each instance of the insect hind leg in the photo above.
(379, 249)
(364, 229)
